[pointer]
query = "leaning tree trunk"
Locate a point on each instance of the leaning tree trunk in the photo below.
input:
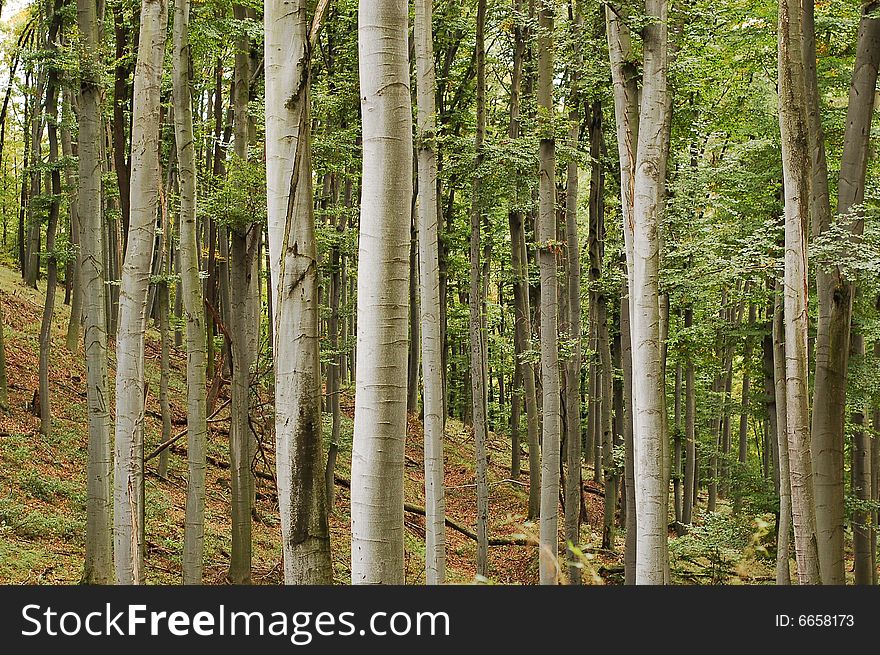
(192, 303)
(293, 252)
(128, 477)
(383, 295)
(99, 523)
(547, 251)
(796, 182)
(429, 307)
(648, 386)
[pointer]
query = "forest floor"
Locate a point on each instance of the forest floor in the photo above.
(43, 482)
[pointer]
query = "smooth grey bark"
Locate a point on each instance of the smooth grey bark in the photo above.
(743, 441)
(572, 364)
(429, 307)
(651, 469)
(832, 338)
(98, 567)
(783, 530)
(863, 555)
(834, 290)
(52, 95)
(413, 363)
(522, 334)
(128, 469)
(875, 469)
(192, 303)
(547, 253)
(245, 240)
(606, 379)
(677, 475)
(382, 294)
(163, 300)
(31, 271)
(625, 79)
(293, 252)
(796, 182)
(629, 556)
(475, 300)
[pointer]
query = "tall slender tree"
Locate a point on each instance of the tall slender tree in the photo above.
(429, 307)
(382, 295)
(293, 254)
(476, 301)
(193, 304)
(99, 521)
(796, 183)
(128, 476)
(547, 253)
(649, 396)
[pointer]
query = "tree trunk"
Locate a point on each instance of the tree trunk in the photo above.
(609, 475)
(625, 78)
(796, 182)
(163, 298)
(572, 364)
(835, 292)
(743, 443)
(244, 244)
(547, 251)
(690, 423)
(98, 567)
(128, 478)
(863, 556)
(383, 294)
(72, 266)
(677, 475)
(192, 302)
(783, 531)
(119, 121)
(648, 387)
(629, 557)
(34, 221)
(519, 267)
(52, 93)
(475, 300)
(293, 252)
(429, 287)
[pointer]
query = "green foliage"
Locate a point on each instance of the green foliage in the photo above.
(713, 548)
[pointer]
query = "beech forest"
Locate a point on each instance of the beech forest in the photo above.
(558, 292)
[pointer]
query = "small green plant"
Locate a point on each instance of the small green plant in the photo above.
(712, 549)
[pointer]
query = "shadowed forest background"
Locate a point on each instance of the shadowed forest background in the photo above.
(496, 291)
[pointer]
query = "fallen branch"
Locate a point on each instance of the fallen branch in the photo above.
(415, 509)
(412, 509)
(177, 437)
